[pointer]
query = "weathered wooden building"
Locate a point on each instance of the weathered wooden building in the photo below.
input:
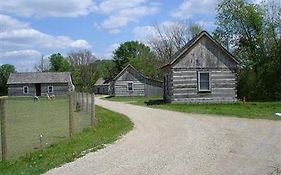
(202, 71)
(39, 83)
(130, 82)
(102, 86)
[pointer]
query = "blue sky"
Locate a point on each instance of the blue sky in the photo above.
(31, 28)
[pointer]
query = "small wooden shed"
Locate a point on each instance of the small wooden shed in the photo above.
(130, 82)
(102, 86)
(202, 71)
(39, 83)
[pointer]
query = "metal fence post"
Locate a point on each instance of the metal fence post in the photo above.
(93, 110)
(3, 129)
(70, 115)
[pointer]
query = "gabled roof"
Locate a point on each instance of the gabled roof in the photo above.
(39, 77)
(103, 81)
(192, 42)
(132, 67)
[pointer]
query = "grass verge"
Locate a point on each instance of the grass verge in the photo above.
(109, 127)
(252, 110)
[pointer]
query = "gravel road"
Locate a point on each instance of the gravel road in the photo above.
(166, 142)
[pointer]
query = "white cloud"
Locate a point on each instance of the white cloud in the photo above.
(45, 8)
(206, 24)
(35, 38)
(23, 60)
(22, 45)
(189, 8)
(257, 1)
(109, 6)
(17, 35)
(7, 23)
(121, 13)
(20, 53)
(143, 32)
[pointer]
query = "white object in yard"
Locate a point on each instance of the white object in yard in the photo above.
(278, 114)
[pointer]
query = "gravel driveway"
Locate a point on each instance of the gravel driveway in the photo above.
(166, 142)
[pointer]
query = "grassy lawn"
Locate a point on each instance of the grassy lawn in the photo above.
(253, 110)
(28, 119)
(109, 127)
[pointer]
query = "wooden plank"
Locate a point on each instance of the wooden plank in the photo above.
(3, 121)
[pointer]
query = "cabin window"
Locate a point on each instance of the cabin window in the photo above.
(204, 82)
(25, 89)
(50, 89)
(130, 86)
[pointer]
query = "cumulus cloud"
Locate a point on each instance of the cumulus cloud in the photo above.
(123, 17)
(189, 8)
(23, 60)
(46, 8)
(119, 13)
(20, 53)
(36, 39)
(7, 23)
(143, 32)
(109, 6)
(22, 44)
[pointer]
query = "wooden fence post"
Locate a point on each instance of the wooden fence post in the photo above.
(70, 115)
(75, 100)
(87, 102)
(93, 110)
(82, 103)
(3, 128)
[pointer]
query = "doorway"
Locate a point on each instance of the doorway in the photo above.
(38, 89)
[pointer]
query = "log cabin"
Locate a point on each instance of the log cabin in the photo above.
(203, 71)
(130, 82)
(39, 83)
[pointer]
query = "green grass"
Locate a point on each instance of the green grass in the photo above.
(109, 127)
(28, 119)
(252, 110)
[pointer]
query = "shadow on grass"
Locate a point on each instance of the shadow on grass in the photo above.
(155, 102)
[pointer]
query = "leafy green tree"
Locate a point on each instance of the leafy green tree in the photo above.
(106, 68)
(5, 71)
(58, 63)
(250, 31)
(137, 54)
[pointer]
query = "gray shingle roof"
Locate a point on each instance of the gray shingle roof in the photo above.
(39, 77)
(103, 81)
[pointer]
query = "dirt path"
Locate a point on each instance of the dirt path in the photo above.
(166, 142)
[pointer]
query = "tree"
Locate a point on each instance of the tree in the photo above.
(106, 68)
(58, 63)
(168, 39)
(138, 55)
(43, 65)
(81, 57)
(251, 33)
(83, 69)
(5, 71)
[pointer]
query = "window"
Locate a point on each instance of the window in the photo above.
(204, 82)
(50, 89)
(25, 90)
(130, 87)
